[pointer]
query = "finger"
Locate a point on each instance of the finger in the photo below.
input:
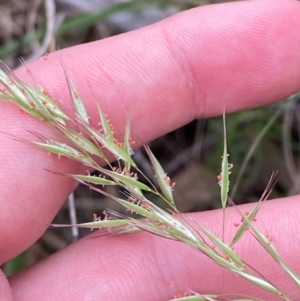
(195, 64)
(147, 267)
(5, 289)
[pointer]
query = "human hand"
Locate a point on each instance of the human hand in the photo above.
(231, 56)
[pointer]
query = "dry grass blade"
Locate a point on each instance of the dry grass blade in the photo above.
(253, 148)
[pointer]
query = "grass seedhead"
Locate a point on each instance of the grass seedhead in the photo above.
(86, 145)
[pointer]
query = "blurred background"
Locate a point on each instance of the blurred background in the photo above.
(259, 141)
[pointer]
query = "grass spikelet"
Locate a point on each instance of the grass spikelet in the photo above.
(45, 105)
(61, 149)
(84, 144)
(266, 242)
(191, 296)
(106, 127)
(99, 224)
(127, 148)
(116, 150)
(14, 94)
(244, 226)
(227, 251)
(127, 179)
(224, 176)
(58, 148)
(111, 146)
(30, 99)
(267, 286)
(92, 179)
(77, 100)
(135, 206)
(162, 179)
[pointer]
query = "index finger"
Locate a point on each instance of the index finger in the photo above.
(192, 65)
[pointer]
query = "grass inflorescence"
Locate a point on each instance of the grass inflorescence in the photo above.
(90, 146)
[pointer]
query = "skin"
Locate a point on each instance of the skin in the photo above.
(193, 65)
